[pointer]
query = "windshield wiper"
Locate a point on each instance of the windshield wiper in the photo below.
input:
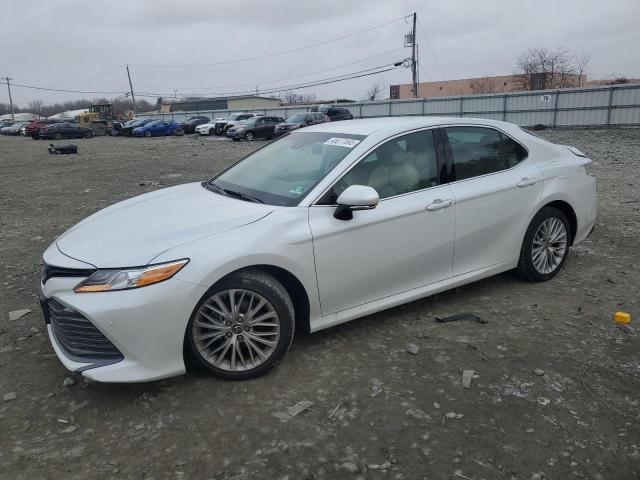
(242, 196)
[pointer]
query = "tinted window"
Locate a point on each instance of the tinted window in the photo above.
(478, 151)
(402, 165)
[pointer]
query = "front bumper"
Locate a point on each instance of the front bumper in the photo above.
(235, 134)
(145, 325)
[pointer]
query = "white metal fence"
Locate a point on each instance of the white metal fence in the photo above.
(616, 105)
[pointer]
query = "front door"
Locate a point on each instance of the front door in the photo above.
(404, 243)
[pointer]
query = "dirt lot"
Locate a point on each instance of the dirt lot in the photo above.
(378, 412)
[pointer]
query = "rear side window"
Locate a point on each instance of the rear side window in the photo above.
(479, 150)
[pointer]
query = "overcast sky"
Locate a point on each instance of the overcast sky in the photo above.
(84, 45)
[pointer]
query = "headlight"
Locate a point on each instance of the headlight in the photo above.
(123, 279)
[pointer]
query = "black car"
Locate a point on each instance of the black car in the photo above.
(127, 128)
(256, 127)
(334, 113)
(65, 130)
(300, 120)
(190, 124)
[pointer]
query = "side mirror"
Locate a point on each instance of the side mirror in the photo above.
(355, 197)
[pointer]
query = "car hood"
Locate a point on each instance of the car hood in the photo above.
(289, 124)
(133, 232)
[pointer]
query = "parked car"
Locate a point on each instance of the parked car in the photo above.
(33, 127)
(387, 210)
(158, 128)
(334, 113)
(114, 128)
(23, 130)
(127, 128)
(300, 120)
(189, 125)
(256, 127)
(221, 126)
(6, 124)
(12, 129)
(65, 130)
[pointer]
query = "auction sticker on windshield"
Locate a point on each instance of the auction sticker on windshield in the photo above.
(342, 142)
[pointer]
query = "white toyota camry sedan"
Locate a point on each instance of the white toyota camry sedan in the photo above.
(327, 224)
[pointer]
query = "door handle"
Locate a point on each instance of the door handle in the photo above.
(527, 182)
(439, 204)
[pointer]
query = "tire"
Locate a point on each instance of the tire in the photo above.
(249, 136)
(228, 333)
(178, 132)
(127, 133)
(99, 129)
(147, 134)
(212, 131)
(88, 135)
(57, 136)
(550, 230)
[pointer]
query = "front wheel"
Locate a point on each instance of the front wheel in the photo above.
(88, 135)
(249, 136)
(57, 136)
(212, 131)
(178, 132)
(147, 134)
(546, 245)
(242, 327)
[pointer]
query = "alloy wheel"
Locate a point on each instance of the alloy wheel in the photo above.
(236, 330)
(549, 245)
(249, 136)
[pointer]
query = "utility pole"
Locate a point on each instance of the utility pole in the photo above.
(133, 97)
(10, 100)
(414, 69)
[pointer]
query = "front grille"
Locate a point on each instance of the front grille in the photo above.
(77, 336)
(50, 271)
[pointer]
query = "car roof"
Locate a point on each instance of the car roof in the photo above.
(369, 126)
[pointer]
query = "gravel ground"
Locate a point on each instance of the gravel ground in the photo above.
(555, 396)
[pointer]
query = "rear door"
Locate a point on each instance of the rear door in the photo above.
(495, 189)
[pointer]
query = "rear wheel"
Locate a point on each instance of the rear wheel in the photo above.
(212, 131)
(147, 133)
(127, 133)
(88, 135)
(546, 245)
(57, 136)
(242, 327)
(178, 132)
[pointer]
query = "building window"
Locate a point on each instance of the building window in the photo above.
(394, 92)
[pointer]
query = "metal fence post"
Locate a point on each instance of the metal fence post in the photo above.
(423, 102)
(461, 110)
(360, 111)
(610, 106)
(504, 108)
(555, 108)
(390, 109)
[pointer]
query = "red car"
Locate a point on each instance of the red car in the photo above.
(33, 127)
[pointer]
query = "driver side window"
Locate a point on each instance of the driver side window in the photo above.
(402, 165)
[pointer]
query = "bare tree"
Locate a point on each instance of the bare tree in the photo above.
(293, 97)
(582, 62)
(35, 106)
(483, 85)
(374, 92)
(540, 68)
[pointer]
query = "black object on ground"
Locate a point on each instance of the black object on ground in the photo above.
(461, 316)
(62, 150)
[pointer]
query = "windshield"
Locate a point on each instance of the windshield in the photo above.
(249, 121)
(284, 172)
(153, 124)
(297, 118)
(235, 117)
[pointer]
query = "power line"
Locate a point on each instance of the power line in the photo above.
(263, 82)
(274, 54)
(433, 53)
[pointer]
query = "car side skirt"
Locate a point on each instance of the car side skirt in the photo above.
(408, 296)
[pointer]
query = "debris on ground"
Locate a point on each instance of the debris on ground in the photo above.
(412, 348)
(462, 316)
(16, 314)
(543, 401)
(539, 372)
(149, 183)
(622, 317)
(467, 376)
(69, 381)
(454, 415)
(294, 410)
(7, 397)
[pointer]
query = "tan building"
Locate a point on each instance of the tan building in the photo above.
(477, 86)
(221, 103)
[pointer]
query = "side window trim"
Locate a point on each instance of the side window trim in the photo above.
(364, 155)
(449, 154)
